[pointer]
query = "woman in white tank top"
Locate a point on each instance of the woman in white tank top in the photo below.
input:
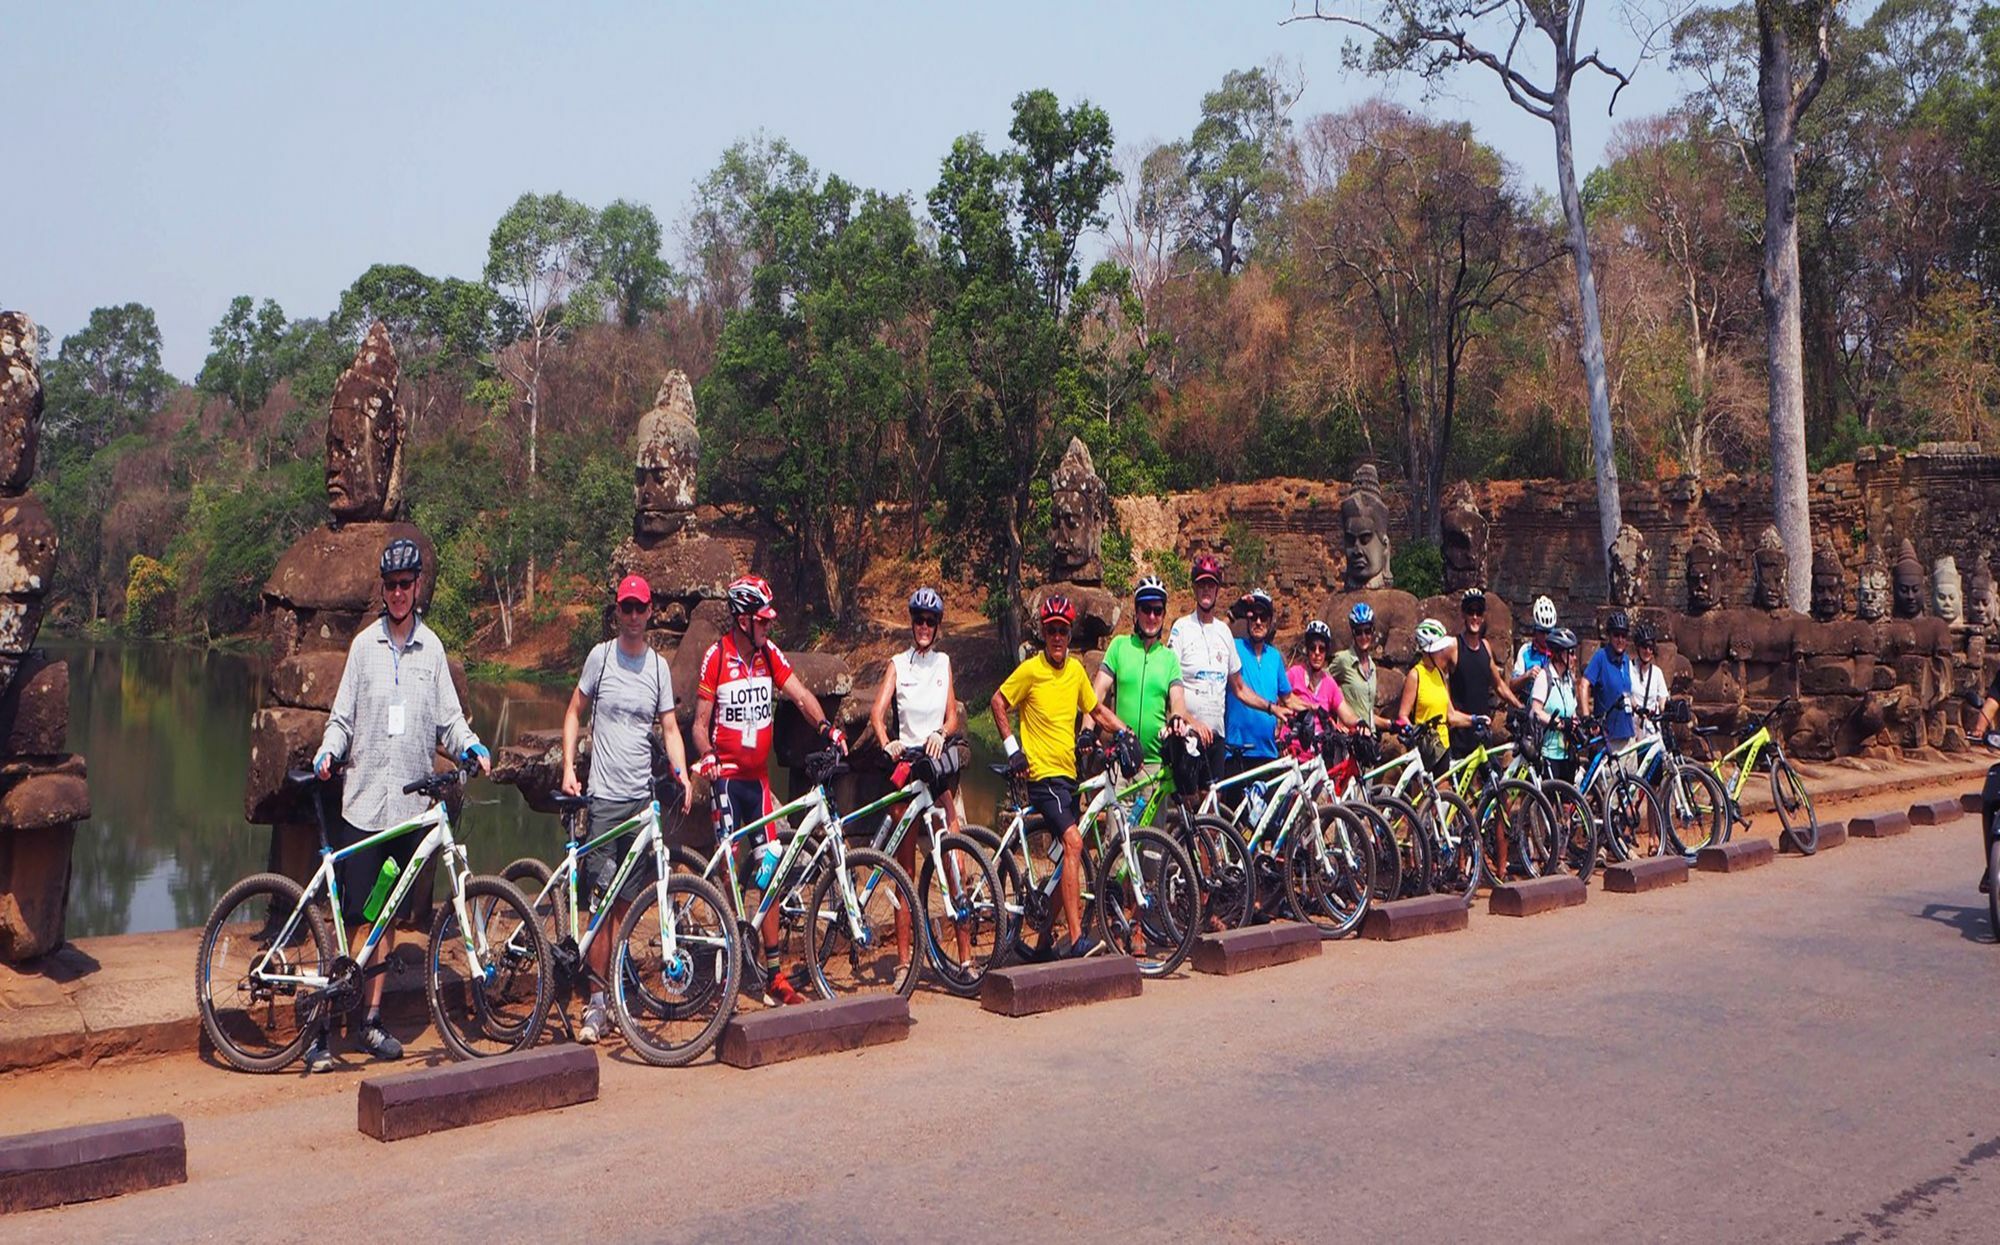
(918, 686)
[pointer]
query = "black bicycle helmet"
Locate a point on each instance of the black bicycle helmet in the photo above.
(402, 554)
(1317, 630)
(1617, 623)
(1563, 639)
(1643, 636)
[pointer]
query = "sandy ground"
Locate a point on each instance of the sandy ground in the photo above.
(1805, 1052)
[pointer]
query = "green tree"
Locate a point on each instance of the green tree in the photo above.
(638, 275)
(542, 257)
(725, 242)
(1229, 176)
(106, 380)
(1009, 226)
(245, 361)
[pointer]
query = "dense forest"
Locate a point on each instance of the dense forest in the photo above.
(1269, 294)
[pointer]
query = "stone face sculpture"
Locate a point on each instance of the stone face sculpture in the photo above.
(20, 400)
(1767, 565)
(1829, 583)
(1704, 571)
(1947, 590)
(667, 462)
(364, 435)
(1364, 526)
(1981, 608)
(1627, 561)
(1080, 510)
(1871, 591)
(1464, 541)
(1906, 583)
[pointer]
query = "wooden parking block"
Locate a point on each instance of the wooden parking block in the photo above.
(1532, 896)
(1935, 812)
(1413, 918)
(1735, 855)
(753, 1039)
(1831, 834)
(1971, 802)
(1879, 825)
(1634, 877)
(430, 1100)
(1028, 989)
(91, 1161)
(1259, 946)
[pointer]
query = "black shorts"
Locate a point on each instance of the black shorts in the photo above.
(357, 873)
(602, 865)
(1055, 799)
(748, 800)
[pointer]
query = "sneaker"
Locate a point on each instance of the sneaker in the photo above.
(1082, 947)
(595, 1025)
(780, 992)
(377, 1042)
(318, 1057)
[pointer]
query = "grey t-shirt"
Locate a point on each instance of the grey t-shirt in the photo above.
(627, 695)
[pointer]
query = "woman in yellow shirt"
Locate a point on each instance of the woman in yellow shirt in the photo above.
(1426, 693)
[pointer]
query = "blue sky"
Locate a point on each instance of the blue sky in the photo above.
(178, 155)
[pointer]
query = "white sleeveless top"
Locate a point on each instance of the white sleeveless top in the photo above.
(922, 681)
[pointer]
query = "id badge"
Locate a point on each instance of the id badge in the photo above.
(395, 723)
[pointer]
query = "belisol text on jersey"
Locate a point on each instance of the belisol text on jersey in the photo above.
(747, 701)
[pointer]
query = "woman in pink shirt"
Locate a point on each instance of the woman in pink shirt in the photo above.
(1312, 680)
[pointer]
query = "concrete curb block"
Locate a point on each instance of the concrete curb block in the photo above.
(1029, 989)
(1879, 825)
(1635, 877)
(1537, 895)
(91, 1161)
(430, 1100)
(1935, 812)
(753, 1039)
(1735, 856)
(1972, 802)
(1831, 834)
(1259, 946)
(1415, 918)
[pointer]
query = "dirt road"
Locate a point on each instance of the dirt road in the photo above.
(1806, 1052)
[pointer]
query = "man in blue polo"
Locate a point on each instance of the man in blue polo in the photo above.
(1610, 677)
(1261, 692)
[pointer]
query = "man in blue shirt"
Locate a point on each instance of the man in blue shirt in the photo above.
(1610, 677)
(1261, 692)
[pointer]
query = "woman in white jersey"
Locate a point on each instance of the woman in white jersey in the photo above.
(918, 686)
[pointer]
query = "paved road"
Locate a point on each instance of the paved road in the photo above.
(1807, 1052)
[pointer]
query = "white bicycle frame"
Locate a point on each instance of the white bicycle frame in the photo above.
(822, 826)
(649, 839)
(1103, 791)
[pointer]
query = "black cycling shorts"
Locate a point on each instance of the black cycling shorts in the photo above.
(602, 865)
(1055, 799)
(748, 800)
(357, 873)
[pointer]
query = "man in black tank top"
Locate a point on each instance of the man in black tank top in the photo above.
(1475, 678)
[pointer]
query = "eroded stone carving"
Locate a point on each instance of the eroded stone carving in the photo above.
(1829, 583)
(1871, 591)
(668, 460)
(1947, 590)
(1364, 525)
(1767, 567)
(1981, 608)
(364, 435)
(1080, 510)
(1906, 583)
(1704, 570)
(1627, 561)
(1464, 541)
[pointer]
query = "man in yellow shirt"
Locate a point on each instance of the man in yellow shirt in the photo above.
(1052, 692)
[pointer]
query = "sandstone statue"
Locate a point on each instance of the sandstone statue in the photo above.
(1947, 590)
(1079, 512)
(1981, 607)
(1829, 583)
(1704, 570)
(1906, 583)
(1628, 560)
(1364, 526)
(668, 460)
(1464, 530)
(1767, 566)
(44, 790)
(1871, 590)
(364, 435)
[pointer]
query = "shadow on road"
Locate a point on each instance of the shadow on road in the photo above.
(1971, 923)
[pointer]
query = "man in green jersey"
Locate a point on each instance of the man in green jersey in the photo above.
(1141, 675)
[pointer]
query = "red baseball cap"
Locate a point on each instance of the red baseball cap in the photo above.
(635, 588)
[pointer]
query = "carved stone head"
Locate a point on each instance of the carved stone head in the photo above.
(1906, 583)
(1080, 510)
(1627, 561)
(1871, 591)
(1704, 570)
(1981, 609)
(364, 435)
(1464, 541)
(1364, 526)
(668, 460)
(1767, 566)
(20, 400)
(1948, 590)
(1829, 583)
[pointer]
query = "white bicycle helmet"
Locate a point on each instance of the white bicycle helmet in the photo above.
(1545, 614)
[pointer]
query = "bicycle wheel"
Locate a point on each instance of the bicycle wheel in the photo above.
(1695, 806)
(965, 922)
(1794, 805)
(1038, 890)
(259, 1025)
(1516, 826)
(489, 986)
(1635, 824)
(851, 948)
(671, 1008)
(1408, 831)
(1573, 842)
(551, 910)
(1155, 916)
(1387, 881)
(1993, 887)
(1327, 873)
(1456, 853)
(1222, 862)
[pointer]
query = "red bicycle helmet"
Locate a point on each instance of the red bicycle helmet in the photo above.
(1056, 608)
(751, 595)
(1207, 567)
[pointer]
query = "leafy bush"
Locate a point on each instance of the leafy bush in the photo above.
(1171, 568)
(1118, 566)
(1418, 568)
(149, 596)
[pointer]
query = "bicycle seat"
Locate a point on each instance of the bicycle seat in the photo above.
(1236, 751)
(567, 803)
(300, 777)
(1707, 730)
(1000, 767)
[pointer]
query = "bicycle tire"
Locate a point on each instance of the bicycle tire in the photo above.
(1993, 887)
(505, 1005)
(529, 876)
(1171, 919)
(647, 988)
(1327, 878)
(1635, 822)
(1455, 854)
(1575, 841)
(1388, 879)
(1041, 899)
(281, 1014)
(1785, 781)
(1696, 806)
(876, 879)
(1221, 860)
(1411, 835)
(1516, 825)
(982, 910)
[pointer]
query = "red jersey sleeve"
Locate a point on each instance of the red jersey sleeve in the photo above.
(711, 672)
(781, 666)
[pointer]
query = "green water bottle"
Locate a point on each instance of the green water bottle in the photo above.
(383, 885)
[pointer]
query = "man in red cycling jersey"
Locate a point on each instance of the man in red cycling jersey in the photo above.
(735, 713)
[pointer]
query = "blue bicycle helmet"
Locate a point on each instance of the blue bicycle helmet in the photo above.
(1362, 615)
(402, 554)
(1150, 589)
(926, 601)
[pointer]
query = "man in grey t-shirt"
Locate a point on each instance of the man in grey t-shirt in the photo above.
(627, 689)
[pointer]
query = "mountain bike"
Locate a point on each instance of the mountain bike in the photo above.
(1629, 810)
(1573, 837)
(1691, 797)
(270, 973)
(1516, 821)
(1443, 856)
(675, 965)
(847, 902)
(1348, 755)
(1796, 818)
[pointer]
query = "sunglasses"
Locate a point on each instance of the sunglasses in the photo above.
(924, 620)
(398, 585)
(1153, 610)
(1061, 629)
(1478, 612)
(634, 607)
(1360, 632)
